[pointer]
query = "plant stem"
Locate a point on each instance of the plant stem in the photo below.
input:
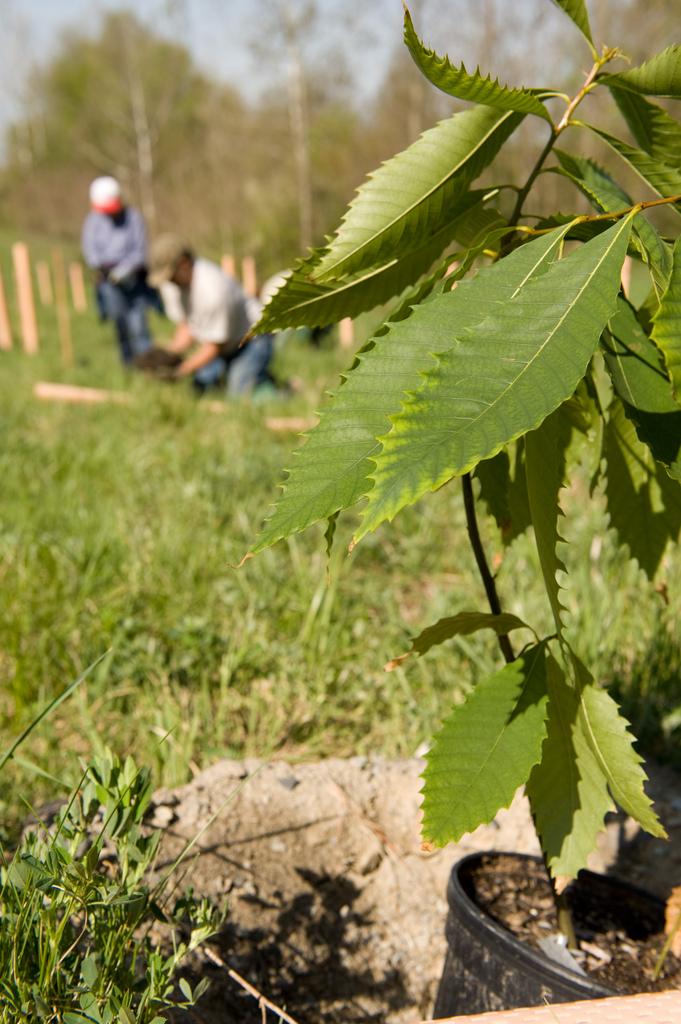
(563, 913)
(578, 97)
(593, 218)
(481, 560)
(524, 191)
(560, 901)
(646, 204)
(564, 122)
(562, 910)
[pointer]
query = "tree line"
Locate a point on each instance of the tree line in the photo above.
(267, 177)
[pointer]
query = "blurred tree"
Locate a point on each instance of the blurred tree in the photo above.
(269, 174)
(307, 44)
(121, 103)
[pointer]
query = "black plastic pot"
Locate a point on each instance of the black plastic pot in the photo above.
(488, 968)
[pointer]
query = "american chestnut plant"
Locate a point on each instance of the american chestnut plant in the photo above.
(510, 339)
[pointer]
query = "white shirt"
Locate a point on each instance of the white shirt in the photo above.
(214, 306)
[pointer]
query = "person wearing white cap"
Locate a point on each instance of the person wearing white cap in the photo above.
(114, 245)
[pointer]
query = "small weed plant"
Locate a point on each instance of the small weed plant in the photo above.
(84, 937)
(512, 358)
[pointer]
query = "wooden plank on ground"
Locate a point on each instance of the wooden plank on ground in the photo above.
(72, 393)
(54, 392)
(277, 424)
(290, 424)
(648, 1008)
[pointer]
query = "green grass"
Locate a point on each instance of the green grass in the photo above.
(120, 528)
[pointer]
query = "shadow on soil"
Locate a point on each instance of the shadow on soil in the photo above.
(310, 959)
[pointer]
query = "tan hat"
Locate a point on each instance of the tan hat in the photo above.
(164, 255)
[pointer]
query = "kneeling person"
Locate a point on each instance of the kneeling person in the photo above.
(213, 314)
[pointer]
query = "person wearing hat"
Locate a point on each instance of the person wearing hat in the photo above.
(213, 315)
(114, 245)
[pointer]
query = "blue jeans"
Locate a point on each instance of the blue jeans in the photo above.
(245, 369)
(126, 304)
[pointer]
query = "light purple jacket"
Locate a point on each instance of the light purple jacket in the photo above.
(118, 247)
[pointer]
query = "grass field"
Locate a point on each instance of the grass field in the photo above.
(119, 530)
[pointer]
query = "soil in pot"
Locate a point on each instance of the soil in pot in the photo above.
(620, 940)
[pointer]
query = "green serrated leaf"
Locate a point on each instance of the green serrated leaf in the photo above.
(576, 11)
(611, 742)
(662, 177)
(503, 491)
(304, 300)
(567, 790)
(656, 131)
(332, 471)
(456, 81)
(659, 76)
(608, 197)
(667, 325)
(498, 379)
(485, 749)
(644, 505)
(395, 210)
(480, 223)
(640, 380)
(461, 624)
(545, 450)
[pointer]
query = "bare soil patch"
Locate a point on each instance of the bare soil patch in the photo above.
(336, 911)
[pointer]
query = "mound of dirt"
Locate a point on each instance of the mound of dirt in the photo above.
(335, 909)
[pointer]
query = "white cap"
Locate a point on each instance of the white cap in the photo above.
(105, 195)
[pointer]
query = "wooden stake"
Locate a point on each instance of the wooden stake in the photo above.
(5, 329)
(228, 264)
(626, 275)
(45, 294)
(248, 276)
(78, 296)
(61, 301)
(346, 332)
(24, 286)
